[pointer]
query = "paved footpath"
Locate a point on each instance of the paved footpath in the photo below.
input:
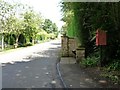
(73, 76)
(32, 67)
(76, 77)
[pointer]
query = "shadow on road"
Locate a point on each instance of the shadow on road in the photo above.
(39, 67)
(56, 43)
(45, 54)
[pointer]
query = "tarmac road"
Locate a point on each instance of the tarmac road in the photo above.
(32, 67)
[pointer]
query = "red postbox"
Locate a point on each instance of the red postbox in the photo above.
(100, 37)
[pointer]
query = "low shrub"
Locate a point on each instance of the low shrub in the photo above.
(114, 78)
(28, 44)
(90, 62)
(25, 45)
(115, 65)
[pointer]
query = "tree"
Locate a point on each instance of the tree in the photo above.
(68, 17)
(32, 24)
(5, 12)
(87, 18)
(55, 29)
(49, 26)
(15, 26)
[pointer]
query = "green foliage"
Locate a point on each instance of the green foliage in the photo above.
(115, 65)
(49, 26)
(25, 44)
(11, 40)
(5, 10)
(42, 35)
(68, 17)
(9, 47)
(114, 78)
(90, 62)
(85, 18)
(28, 44)
(32, 22)
(18, 19)
(71, 28)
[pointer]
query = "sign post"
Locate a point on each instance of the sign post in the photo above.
(101, 41)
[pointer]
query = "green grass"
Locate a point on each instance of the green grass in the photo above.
(12, 49)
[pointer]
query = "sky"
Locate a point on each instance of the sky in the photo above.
(49, 9)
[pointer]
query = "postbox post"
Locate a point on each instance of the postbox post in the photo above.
(101, 54)
(101, 41)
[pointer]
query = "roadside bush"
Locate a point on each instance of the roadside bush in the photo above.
(115, 65)
(25, 45)
(90, 62)
(9, 47)
(28, 44)
(114, 78)
(21, 45)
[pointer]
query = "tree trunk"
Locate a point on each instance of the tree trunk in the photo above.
(2, 41)
(16, 42)
(33, 41)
